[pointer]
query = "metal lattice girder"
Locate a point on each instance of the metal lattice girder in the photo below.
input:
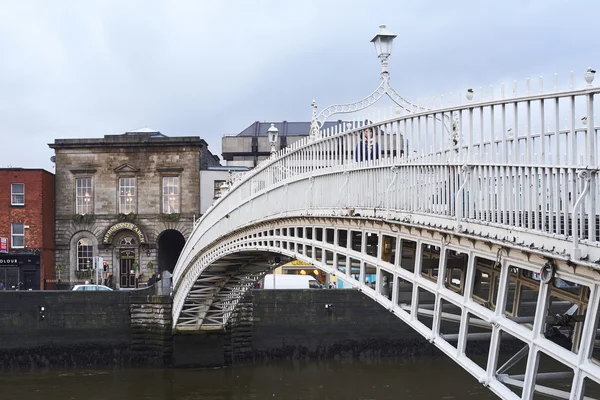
(494, 324)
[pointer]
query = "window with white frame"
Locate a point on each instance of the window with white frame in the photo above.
(84, 199)
(217, 188)
(85, 254)
(127, 199)
(17, 235)
(170, 193)
(17, 194)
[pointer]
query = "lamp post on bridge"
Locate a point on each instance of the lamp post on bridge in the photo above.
(382, 41)
(383, 47)
(273, 132)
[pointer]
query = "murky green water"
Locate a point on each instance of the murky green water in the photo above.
(436, 378)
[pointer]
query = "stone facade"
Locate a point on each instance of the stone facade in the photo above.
(133, 232)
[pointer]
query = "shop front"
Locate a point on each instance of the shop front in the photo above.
(20, 271)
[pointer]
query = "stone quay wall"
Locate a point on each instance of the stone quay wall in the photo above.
(40, 329)
(296, 325)
(128, 328)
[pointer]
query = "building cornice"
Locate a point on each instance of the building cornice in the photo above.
(127, 142)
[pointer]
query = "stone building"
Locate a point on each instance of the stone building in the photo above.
(130, 199)
(26, 228)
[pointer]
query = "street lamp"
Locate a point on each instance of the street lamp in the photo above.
(383, 46)
(272, 132)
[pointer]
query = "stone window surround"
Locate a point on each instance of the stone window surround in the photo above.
(78, 174)
(84, 255)
(73, 247)
(135, 187)
(169, 172)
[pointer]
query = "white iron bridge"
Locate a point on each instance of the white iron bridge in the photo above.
(476, 223)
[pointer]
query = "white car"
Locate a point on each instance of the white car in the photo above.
(89, 287)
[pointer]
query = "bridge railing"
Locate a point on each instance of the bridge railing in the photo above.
(526, 162)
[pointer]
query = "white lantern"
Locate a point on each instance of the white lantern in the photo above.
(272, 132)
(383, 42)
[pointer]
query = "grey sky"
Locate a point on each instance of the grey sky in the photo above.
(208, 68)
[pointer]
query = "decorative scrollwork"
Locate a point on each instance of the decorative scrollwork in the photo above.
(584, 174)
(350, 107)
(318, 120)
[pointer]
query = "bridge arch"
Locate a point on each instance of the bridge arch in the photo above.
(526, 221)
(438, 279)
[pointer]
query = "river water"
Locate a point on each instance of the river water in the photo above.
(437, 378)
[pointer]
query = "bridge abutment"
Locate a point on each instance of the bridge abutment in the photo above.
(297, 325)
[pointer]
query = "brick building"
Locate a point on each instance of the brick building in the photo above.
(26, 228)
(130, 199)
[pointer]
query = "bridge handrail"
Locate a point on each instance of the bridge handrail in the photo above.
(422, 139)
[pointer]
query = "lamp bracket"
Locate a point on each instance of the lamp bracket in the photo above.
(384, 88)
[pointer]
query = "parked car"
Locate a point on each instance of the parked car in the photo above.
(89, 287)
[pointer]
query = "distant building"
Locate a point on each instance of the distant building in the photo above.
(130, 199)
(26, 228)
(211, 180)
(251, 145)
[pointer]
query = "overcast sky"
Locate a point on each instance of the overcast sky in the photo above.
(72, 69)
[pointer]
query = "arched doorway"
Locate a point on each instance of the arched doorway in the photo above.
(126, 249)
(170, 244)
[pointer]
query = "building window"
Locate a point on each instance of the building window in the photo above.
(127, 198)
(170, 192)
(85, 254)
(218, 188)
(17, 191)
(84, 201)
(17, 233)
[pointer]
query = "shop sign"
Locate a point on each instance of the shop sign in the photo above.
(3, 245)
(120, 226)
(10, 261)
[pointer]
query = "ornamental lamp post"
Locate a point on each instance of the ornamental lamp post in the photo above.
(382, 41)
(272, 132)
(383, 46)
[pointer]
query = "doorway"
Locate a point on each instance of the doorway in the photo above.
(127, 274)
(170, 245)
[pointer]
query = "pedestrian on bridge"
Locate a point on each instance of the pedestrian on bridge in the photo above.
(367, 148)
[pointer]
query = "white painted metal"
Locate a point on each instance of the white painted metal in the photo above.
(503, 173)
(269, 238)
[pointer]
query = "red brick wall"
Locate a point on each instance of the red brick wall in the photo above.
(38, 213)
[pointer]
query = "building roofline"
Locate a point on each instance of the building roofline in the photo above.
(127, 141)
(15, 169)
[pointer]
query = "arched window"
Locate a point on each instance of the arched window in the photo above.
(85, 253)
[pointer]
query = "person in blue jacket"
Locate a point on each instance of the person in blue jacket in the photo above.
(367, 148)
